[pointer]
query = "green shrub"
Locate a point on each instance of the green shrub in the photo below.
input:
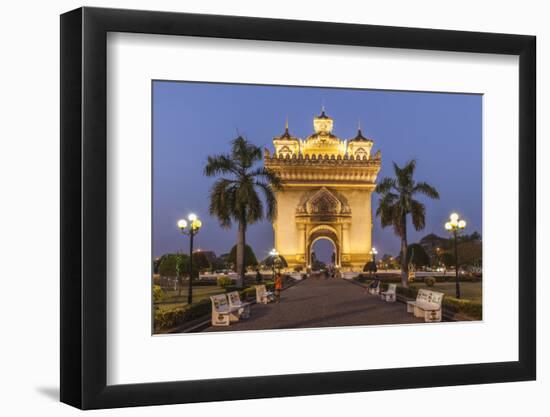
(469, 308)
(429, 281)
(370, 267)
(167, 319)
(158, 294)
(410, 292)
(224, 281)
(247, 293)
(205, 283)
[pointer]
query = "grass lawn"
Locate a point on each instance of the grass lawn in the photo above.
(172, 300)
(469, 290)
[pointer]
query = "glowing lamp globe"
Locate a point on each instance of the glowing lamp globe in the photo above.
(192, 217)
(182, 224)
(448, 226)
(454, 217)
(197, 224)
(462, 224)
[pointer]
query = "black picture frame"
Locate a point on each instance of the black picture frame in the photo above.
(84, 207)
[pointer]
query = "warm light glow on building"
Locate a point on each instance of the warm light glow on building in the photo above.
(327, 187)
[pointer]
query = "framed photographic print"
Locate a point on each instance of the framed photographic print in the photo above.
(259, 208)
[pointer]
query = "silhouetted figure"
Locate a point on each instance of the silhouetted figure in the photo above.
(278, 287)
(258, 276)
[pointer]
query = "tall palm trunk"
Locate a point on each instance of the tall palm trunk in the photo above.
(241, 244)
(404, 265)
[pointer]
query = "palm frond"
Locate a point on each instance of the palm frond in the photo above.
(409, 168)
(426, 189)
(222, 195)
(418, 214)
(385, 185)
(237, 197)
(269, 195)
(245, 153)
(267, 175)
(219, 165)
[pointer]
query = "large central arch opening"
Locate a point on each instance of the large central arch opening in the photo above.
(323, 241)
(323, 254)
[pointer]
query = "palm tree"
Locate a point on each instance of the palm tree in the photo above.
(397, 201)
(235, 197)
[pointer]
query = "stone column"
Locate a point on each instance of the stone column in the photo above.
(302, 242)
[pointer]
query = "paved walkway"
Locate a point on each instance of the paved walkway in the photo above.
(319, 302)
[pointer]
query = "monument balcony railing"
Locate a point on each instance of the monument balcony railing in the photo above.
(313, 159)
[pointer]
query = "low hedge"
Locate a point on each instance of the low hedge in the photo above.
(204, 283)
(467, 307)
(269, 285)
(177, 316)
(171, 318)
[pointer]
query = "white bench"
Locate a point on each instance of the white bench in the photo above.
(427, 305)
(389, 296)
(374, 290)
(262, 295)
(235, 302)
(222, 313)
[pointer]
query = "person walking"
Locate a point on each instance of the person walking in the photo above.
(278, 287)
(258, 276)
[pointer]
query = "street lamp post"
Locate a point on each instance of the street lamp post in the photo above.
(455, 226)
(190, 229)
(373, 252)
(274, 254)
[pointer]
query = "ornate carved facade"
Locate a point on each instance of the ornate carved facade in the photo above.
(327, 186)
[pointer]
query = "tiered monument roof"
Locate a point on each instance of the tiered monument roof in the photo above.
(323, 156)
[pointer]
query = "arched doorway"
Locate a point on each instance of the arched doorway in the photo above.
(323, 254)
(323, 233)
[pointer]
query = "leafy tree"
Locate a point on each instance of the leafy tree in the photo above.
(447, 259)
(169, 265)
(370, 267)
(475, 236)
(156, 264)
(417, 255)
(470, 253)
(389, 260)
(219, 263)
(176, 265)
(397, 202)
(200, 261)
(278, 262)
(249, 256)
(235, 197)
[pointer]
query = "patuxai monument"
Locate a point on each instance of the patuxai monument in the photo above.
(326, 194)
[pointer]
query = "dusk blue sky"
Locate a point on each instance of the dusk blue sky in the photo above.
(194, 120)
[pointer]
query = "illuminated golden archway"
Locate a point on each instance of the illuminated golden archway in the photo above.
(323, 232)
(326, 193)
